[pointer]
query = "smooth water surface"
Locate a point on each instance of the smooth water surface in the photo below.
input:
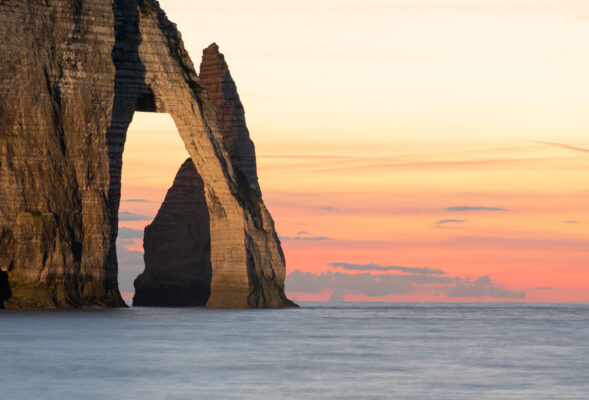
(321, 351)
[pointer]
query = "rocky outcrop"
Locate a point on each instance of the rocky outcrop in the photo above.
(175, 264)
(73, 74)
(178, 247)
(216, 79)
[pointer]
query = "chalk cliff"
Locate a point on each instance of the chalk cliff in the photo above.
(73, 72)
(176, 267)
(216, 79)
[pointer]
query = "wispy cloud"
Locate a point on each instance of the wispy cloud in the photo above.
(328, 208)
(128, 233)
(572, 221)
(378, 267)
(331, 163)
(130, 265)
(307, 156)
(383, 285)
(370, 285)
(450, 221)
(135, 201)
(523, 243)
(482, 287)
(302, 233)
(562, 146)
(545, 288)
(477, 208)
(435, 164)
(130, 216)
(304, 238)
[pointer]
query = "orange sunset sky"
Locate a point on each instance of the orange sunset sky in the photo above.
(411, 150)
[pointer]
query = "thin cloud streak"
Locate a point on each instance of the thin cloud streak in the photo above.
(135, 201)
(476, 208)
(404, 161)
(435, 164)
(408, 160)
(304, 238)
(378, 267)
(307, 156)
(555, 244)
(384, 285)
(450, 221)
(130, 216)
(562, 146)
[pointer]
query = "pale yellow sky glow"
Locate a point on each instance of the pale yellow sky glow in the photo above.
(371, 118)
(385, 70)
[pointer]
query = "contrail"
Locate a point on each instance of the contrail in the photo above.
(561, 145)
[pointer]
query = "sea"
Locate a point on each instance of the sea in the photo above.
(321, 351)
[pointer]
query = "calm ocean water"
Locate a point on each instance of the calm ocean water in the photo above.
(321, 351)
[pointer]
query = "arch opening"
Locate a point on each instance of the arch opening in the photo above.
(163, 244)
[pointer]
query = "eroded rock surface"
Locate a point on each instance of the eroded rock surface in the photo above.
(72, 75)
(216, 79)
(178, 247)
(183, 210)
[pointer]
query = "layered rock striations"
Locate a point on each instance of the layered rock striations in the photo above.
(166, 274)
(73, 74)
(56, 103)
(216, 79)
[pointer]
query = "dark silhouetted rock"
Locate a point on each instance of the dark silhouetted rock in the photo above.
(178, 247)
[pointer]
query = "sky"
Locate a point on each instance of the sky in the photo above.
(408, 150)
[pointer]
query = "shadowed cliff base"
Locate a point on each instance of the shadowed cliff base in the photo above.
(5, 291)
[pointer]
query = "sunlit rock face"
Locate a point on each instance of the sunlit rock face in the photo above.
(175, 264)
(71, 77)
(216, 79)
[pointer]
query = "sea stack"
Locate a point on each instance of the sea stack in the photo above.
(216, 79)
(73, 73)
(178, 247)
(176, 266)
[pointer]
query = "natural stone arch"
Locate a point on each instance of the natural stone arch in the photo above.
(94, 81)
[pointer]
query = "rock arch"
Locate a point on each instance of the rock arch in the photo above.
(76, 73)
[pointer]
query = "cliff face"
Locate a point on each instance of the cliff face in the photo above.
(216, 79)
(56, 103)
(174, 261)
(73, 74)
